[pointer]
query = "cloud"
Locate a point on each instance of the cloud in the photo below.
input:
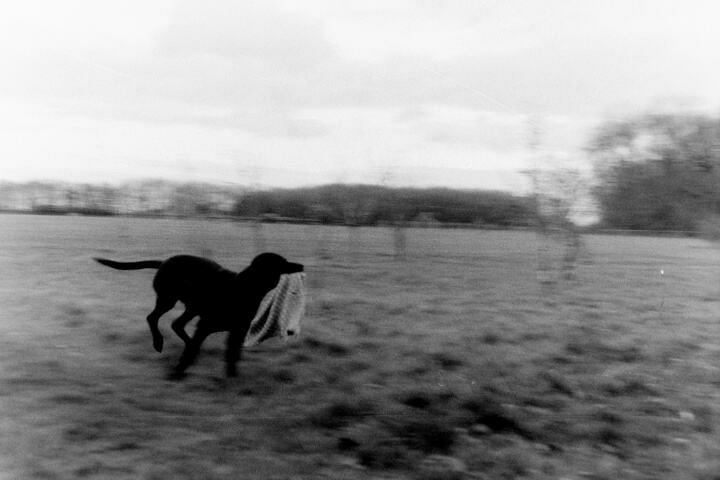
(258, 122)
(262, 55)
(239, 31)
(337, 86)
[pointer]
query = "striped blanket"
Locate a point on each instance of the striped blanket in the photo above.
(280, 311)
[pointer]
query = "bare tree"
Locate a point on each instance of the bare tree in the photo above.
(558, 194)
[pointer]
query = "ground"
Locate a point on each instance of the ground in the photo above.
(461, 348)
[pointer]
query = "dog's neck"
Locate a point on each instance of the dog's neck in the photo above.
(250, 282)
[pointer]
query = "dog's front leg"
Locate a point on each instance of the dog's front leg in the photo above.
(191, 350)
(178, 325)
(233, 349)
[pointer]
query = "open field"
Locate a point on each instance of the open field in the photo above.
(456, 351)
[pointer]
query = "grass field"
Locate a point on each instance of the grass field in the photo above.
(454, 363)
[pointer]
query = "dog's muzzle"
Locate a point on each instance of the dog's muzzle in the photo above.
(295, 267)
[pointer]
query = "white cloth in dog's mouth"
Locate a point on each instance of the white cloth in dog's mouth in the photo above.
(280, 311)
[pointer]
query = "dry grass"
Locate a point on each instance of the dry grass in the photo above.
(456, 351)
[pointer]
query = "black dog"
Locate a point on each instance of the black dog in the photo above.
(224, 300)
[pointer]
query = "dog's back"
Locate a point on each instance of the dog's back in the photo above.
(197, 282)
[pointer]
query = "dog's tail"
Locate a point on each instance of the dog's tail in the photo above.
(129, 265)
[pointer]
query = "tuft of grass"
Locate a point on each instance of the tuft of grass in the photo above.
(400, 441)
(609, 417)
(85, 432)
(484, 410)
(71, 399)
(259, 387)
(558, 384)
(602, 352)
(284, 376)
(549, 402)
(385, 453)
(74, 311)
(441, 467)
(446, 360)
(329, 347)
(610, 435)
(617, 387)
(491, 338)
(426, 434)
(340, 413)
(704, 418)
(419, 370)
(94, 469)
(345, 444)
(124, 446)
(300, 357)
(435, 401)
(419, 400)
(514, 463)
(112, 338)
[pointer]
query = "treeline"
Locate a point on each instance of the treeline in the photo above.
(375, 205)
(329, 204)
(146, 197)
(659, 172)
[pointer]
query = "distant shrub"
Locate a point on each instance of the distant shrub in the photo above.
(709, 228)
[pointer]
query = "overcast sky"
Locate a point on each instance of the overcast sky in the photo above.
(284, 93)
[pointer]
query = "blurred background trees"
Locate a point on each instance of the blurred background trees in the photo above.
(658, 172)
(336, 204)
(341, 204)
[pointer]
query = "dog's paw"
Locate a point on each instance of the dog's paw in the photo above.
(158, 344)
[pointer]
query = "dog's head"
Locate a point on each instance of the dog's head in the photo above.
(265, 269)
(272, 262)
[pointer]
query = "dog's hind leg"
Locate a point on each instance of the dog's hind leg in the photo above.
(162, 305)
(178, 325)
